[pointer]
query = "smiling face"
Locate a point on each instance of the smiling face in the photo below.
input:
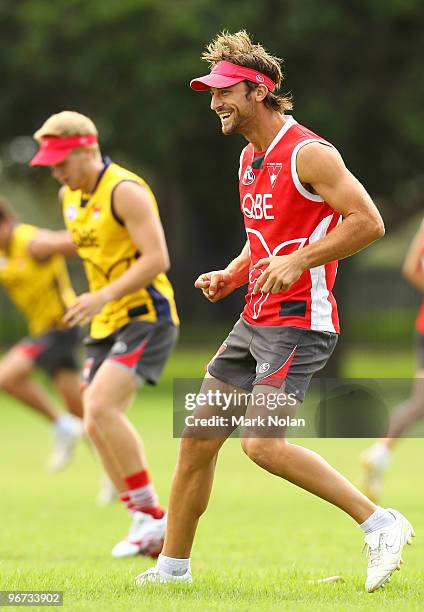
(235, 106)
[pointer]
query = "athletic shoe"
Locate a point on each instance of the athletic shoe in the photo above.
(107, 493)
(145, 537)
(374, 463)
(384, 547)
(67, 431)
(155, 576)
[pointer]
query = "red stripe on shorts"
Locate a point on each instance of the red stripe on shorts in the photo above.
(32, 351)
(277, 378)
(131, 359)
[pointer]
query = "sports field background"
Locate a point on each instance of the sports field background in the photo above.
(258, 545)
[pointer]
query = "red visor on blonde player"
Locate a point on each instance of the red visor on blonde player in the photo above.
(54, 149)
(226, 74)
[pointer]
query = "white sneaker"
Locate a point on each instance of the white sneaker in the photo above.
(107, 493)
(374, 463)
(385, 550)
(67, 431)
(145, 537)
(155, 576)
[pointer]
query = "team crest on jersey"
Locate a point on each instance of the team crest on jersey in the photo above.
(71, 212)
(274, 169)
(96, 213)
(248, 176)
(119, 347)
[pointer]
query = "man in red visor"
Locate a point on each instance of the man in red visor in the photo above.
(302, 212)
(113, 219)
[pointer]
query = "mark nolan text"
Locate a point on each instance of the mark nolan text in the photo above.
(242, 421)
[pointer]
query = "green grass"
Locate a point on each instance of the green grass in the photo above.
(257, 547)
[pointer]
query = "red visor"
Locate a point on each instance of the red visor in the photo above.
(54, 149)
(225, 74)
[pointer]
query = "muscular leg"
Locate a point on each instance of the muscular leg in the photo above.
(15, 371)
(190, 492)
(303, 467)
(106, 400)
(192, 485)
(67, 382)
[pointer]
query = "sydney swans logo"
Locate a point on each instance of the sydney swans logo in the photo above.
(248, 176)
(274, 170)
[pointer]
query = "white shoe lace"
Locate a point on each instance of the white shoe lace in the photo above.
(150, 575)
(375, 553)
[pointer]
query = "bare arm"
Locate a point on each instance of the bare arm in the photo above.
(412, 267)
(220, 283)
(47, 243)
(239, 267)
(134, 206)
(321, 167)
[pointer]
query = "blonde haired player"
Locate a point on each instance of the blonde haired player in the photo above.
(113, 219)
(303, 211)
(34, 274)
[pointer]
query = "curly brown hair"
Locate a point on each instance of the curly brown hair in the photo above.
(239, 49)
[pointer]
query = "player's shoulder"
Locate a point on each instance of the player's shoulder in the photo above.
(298, 130)
(132, 199)
(311, 146)
(25, 231)
(23, 234)
(119, 173)
(244, 156)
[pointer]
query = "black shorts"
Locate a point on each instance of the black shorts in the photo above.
(272, 355)
(55, 350)
(141, 347)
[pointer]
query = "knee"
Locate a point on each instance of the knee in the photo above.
(196, 452)
(10, 377)
(5, 384)
(96, 412)
(262, 451)
(8, 383)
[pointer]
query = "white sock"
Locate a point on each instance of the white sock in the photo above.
(174, 567)
(143, 497)
(66, 424)
(378, 520)
(381, 454)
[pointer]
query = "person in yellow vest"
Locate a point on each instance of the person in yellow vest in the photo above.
(34, 274)
(113, 218)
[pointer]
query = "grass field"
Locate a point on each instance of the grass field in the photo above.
(258, 545)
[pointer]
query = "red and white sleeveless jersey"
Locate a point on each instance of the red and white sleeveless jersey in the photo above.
(280, 217)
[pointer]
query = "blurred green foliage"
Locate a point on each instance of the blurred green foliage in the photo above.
(354, 68)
